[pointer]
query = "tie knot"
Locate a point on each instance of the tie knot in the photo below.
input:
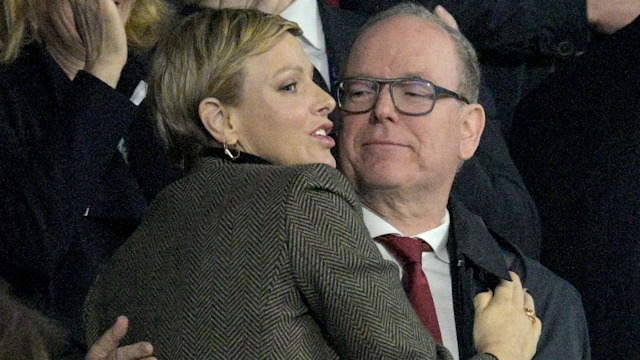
(407, 249)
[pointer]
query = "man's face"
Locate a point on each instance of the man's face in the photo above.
(385, 149)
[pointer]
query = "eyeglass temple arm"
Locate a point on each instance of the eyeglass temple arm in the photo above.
(448, 93)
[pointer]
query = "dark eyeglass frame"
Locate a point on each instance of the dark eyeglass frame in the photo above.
(439, 92)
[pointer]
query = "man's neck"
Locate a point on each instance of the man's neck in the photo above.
(408, 213)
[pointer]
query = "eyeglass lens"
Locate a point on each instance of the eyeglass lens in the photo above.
(409, 96)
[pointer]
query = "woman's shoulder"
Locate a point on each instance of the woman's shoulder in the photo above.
(319, 175)
(270, 178)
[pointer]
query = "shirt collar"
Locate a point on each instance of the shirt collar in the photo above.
(436, 237)
(307, 15)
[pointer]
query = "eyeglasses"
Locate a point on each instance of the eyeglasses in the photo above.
(409, 96)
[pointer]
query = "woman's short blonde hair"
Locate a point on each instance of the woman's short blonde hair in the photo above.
(21, 24)
(203, 57)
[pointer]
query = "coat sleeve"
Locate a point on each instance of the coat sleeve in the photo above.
(58, 154)
(33, 213)
(350, 289)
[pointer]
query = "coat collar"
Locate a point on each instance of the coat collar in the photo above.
(469, 238)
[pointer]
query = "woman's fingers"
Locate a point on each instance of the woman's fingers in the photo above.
(107, 347)
(445, 16)
(482, 300)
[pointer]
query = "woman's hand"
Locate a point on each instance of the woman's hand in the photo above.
(106, 348)
(505, 322)
(102, 32)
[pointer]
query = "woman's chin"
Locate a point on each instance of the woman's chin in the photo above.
(331, 161)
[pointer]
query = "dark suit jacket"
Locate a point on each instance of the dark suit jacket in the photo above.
(479, 260)
(67, 197)
(577, 143)
(255, 261)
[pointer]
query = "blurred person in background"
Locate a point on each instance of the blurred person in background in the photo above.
(78, 156)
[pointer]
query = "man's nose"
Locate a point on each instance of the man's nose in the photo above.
(384, 109)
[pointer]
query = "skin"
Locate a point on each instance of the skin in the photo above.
(283, 115)
(609, 16)
(403, 166)
(267, 6)
(502, 309)
(88, 35)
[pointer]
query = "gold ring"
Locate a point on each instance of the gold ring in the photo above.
(531, 314)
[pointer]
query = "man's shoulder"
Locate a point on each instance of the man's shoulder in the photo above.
(477, 240)
(546, 284)
(559, 307)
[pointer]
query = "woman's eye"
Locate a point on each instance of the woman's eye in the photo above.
(290, 87)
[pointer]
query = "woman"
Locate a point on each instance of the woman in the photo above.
(259, 251)
(78, 159)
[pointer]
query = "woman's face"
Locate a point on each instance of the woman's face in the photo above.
(282, 116)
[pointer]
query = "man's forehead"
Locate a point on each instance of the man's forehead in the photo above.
(402, 29)
(402, 46)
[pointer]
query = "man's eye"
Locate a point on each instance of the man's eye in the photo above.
(415, 94)
(359, 93)
(289, 87)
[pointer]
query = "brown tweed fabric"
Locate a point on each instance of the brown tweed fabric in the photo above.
(246, 261)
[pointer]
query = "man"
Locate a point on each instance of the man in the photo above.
(402, 143)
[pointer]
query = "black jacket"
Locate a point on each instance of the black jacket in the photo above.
(479, 260)
(68, 196)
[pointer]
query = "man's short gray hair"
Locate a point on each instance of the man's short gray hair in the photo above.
(469, 72)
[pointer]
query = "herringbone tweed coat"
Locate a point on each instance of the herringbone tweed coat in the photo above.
(250, 261)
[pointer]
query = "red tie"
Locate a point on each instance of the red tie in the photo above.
(409, 252)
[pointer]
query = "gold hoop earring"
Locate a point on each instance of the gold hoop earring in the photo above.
(229, 152)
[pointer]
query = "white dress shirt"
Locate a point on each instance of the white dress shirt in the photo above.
(435, 266)
(307, 15)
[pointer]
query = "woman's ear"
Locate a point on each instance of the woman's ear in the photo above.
(473, 121)
(215, 117)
